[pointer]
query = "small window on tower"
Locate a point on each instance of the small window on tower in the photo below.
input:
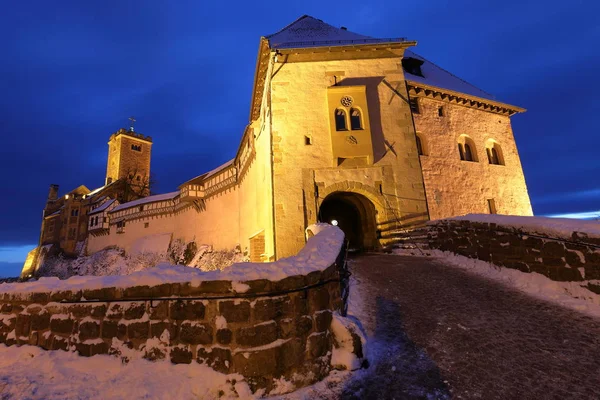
(440, 111)
(136, 147)
(414, 105)
(146, 224)
(355, 119)
(340, 120)
(307, 140)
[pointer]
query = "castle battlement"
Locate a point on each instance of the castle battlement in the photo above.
(132, 134)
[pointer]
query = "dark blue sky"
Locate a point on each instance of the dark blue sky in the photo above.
(73, 71)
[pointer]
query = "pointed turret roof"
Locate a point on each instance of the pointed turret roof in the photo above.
(308, 31)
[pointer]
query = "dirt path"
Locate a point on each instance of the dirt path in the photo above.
(441, 332)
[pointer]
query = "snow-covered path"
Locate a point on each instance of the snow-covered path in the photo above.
(440, 330)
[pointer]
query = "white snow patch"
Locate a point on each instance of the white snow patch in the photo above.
(32, 373)
(246, 351)
(343, 351)
(282, 386)
(220, 322)
(239, 287)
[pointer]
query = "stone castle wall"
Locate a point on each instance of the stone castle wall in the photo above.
(224, 219)
(261, 329)
(299, 108)
(573, 258)
(456, 187)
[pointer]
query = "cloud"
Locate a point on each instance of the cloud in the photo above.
(562, 197)
(579, 215)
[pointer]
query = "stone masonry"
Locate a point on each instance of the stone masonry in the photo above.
(272, 330)
(576, 258)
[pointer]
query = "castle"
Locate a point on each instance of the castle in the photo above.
(343, 128)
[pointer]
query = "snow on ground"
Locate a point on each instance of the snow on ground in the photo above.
(566, 294)
(561, 227)
(29, 372)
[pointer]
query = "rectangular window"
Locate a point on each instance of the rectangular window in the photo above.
(414, 105)
(440, 111)
(492, 206)
(146, 224)
(307, 140)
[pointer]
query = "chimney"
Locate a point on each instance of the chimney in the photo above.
(52, 193)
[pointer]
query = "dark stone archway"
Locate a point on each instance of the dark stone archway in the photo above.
(355, 215)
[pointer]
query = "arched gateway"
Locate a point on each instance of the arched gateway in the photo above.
(355, 215)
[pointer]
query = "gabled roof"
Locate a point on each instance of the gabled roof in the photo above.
(81, 189)
(439, 77)
(103, 207)
(307, 31)
(145, 200)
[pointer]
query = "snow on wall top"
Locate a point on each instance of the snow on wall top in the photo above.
(561, 227)
(208, 174)
(439, 77)
(307, 31)
(320, 252)
(219, 168)
(145, 200)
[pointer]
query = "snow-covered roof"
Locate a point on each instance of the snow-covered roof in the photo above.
(199, 178)
(219, 169)
(307, 31)
(145, 200)
(55, 213)
(103, 207)
(97, 190)
(439, 77)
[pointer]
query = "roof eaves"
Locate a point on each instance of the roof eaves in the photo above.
(514, 108)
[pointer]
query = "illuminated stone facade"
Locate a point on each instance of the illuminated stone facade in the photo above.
(343, 128)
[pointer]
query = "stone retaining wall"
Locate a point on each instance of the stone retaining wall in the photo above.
(573, 258)
(260, 329)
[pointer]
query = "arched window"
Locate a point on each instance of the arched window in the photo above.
(467, 149)
(461, 151)
(340, 120)
(494, 153)
(468, 153)
(355, 119)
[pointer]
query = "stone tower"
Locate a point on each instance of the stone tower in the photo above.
(128, 157)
